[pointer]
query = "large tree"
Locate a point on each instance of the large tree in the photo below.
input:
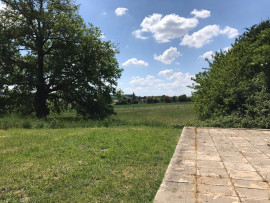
(49, 58)
(236, 86)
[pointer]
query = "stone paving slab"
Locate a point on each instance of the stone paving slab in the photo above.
(218, 165)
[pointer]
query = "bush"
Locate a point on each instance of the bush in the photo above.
(55, 123)
(235, 90)
(26, 124)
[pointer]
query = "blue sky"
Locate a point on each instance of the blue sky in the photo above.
(163, 43)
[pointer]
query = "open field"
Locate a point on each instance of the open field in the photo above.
(120, 159)
(170, 115)
(157, 105)
(166, 115)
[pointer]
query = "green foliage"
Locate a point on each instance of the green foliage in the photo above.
(149, 100)
(26, 124)
(236, 86)
(183, 98)
(49, 59)
(134, 99)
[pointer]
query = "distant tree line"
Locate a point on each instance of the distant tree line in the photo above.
(133, 99)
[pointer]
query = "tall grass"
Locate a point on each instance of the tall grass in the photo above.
(170, 115)
(176, 115)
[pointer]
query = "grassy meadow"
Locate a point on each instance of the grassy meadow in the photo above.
(68, 159)
(155, 115)
(166, 115)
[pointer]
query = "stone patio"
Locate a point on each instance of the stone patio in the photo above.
(218, 165)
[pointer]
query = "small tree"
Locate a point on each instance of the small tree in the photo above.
(149, 100)
(119, 95)
(156, 100)
(182, 98)
(174, 99)
(162, 98)
(167, 99)
(134, 99)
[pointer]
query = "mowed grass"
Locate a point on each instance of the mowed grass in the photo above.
(84, 165)
(120, 159)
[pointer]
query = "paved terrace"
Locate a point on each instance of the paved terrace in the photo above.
(218, 165)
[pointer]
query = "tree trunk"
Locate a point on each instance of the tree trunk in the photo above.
(42, 93)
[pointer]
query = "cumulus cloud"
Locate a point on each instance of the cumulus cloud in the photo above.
(168, 55)
(207, 55)
(179, 79)
(206, 34)
(230, 32)
(120, 11)
(149, 80)
(165, 28)
(167, 82)
(165, 73)
(135, 62)
(138, 34)
(201, 14)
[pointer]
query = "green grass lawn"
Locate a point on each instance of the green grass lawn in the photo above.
(68, 159)
(123, 164)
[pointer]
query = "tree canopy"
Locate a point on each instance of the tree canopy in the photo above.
(235, 89)
(50, 59)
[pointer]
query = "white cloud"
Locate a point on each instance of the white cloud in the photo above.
(165, 73)
(168, 55)
(166, 28)
(149, 80)
(169, 83)
(207, 55)
(135, 62)
(226, 49)
(138, 34)
(230, 32)
(179, 78)
(206, 34)
(120, 11)
(104, 13)
(201, 14)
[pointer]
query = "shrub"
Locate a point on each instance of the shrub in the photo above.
(235, 90)
(26, 124)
